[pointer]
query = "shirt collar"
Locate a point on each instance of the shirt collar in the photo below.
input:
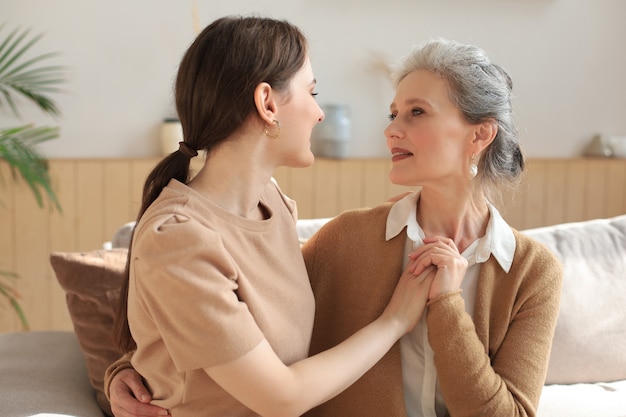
(498, 239)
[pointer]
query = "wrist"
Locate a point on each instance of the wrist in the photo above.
(438, 297)
(110, 373)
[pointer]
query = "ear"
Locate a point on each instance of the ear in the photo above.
(484, 134)
(265, 101)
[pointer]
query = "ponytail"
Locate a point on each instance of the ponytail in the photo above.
(175, 166)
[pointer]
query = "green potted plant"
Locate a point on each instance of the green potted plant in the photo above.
(26, 80)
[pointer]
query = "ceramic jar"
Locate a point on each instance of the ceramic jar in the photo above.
(332, 135)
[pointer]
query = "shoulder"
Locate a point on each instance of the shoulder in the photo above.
(526, 247)
(350, 229)
(534, 261)
(175, 228)
(353, 221)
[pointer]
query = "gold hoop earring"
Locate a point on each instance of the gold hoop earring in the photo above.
(273, 136)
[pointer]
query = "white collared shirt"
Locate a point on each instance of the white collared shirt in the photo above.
(422, 395)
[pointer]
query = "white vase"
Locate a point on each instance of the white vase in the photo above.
(171, 134)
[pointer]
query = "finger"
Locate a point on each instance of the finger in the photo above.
(137, 409)
(125, 405)
(439, 258)
(426, 274)
(138, 389)
(428, 257)
(444, 240)
(432, 243)
(131, 397)
(424, 278)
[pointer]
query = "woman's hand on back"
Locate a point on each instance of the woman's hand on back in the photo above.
(130, 397)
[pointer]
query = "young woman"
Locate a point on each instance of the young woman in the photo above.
(482, 348)
(218, 299)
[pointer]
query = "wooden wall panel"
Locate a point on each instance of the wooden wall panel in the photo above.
(99, 195)
(555, 191)
(139, 172)
(63, 235)
(351, 188)
(534, 196)
(301, 189)
(616, 189)
(7, 243)
(90, 203)
(326, 185)
(117, 191)
(375, 182)
(595, 189)
(31, 239)
(575, 191)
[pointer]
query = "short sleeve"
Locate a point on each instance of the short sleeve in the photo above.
(184, 290)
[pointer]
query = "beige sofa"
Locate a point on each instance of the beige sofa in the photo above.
(51, 373)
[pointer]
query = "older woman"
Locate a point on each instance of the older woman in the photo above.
(483, 346)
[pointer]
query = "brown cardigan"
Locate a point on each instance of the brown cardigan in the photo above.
(494, 365)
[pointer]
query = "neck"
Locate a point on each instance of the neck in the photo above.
(234, 177)
(460, 215)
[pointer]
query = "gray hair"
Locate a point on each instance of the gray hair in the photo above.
(482, 91)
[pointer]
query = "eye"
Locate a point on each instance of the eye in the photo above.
(392, 117)
(314, 94)
(416, 112)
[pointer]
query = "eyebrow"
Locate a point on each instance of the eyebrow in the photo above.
(412, 101)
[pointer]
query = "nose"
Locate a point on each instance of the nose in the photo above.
(322, 115)
(392, 131)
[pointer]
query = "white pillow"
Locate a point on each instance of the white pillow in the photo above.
(590, 335)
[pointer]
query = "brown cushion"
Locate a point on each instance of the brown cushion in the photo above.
(91, 281)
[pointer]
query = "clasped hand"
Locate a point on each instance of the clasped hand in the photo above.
(443, 254)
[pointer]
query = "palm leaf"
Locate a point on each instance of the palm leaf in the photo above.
(18, 148)
(12, 295)
(22, 77)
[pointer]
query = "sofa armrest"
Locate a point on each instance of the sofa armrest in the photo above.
(44, 373)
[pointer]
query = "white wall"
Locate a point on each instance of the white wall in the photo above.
(566, 57)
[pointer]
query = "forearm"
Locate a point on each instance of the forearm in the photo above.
(267, 386)
(464, 371)
(506, 384)
(325, 375)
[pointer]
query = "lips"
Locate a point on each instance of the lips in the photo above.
(399, 153)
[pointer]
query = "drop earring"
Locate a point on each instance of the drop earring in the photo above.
(473, 167)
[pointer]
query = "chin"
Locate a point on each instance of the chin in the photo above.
(302, 161)
(397, 178)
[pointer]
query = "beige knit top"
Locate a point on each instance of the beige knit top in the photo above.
(206, 286)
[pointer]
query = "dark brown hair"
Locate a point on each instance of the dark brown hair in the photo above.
(214, 97)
